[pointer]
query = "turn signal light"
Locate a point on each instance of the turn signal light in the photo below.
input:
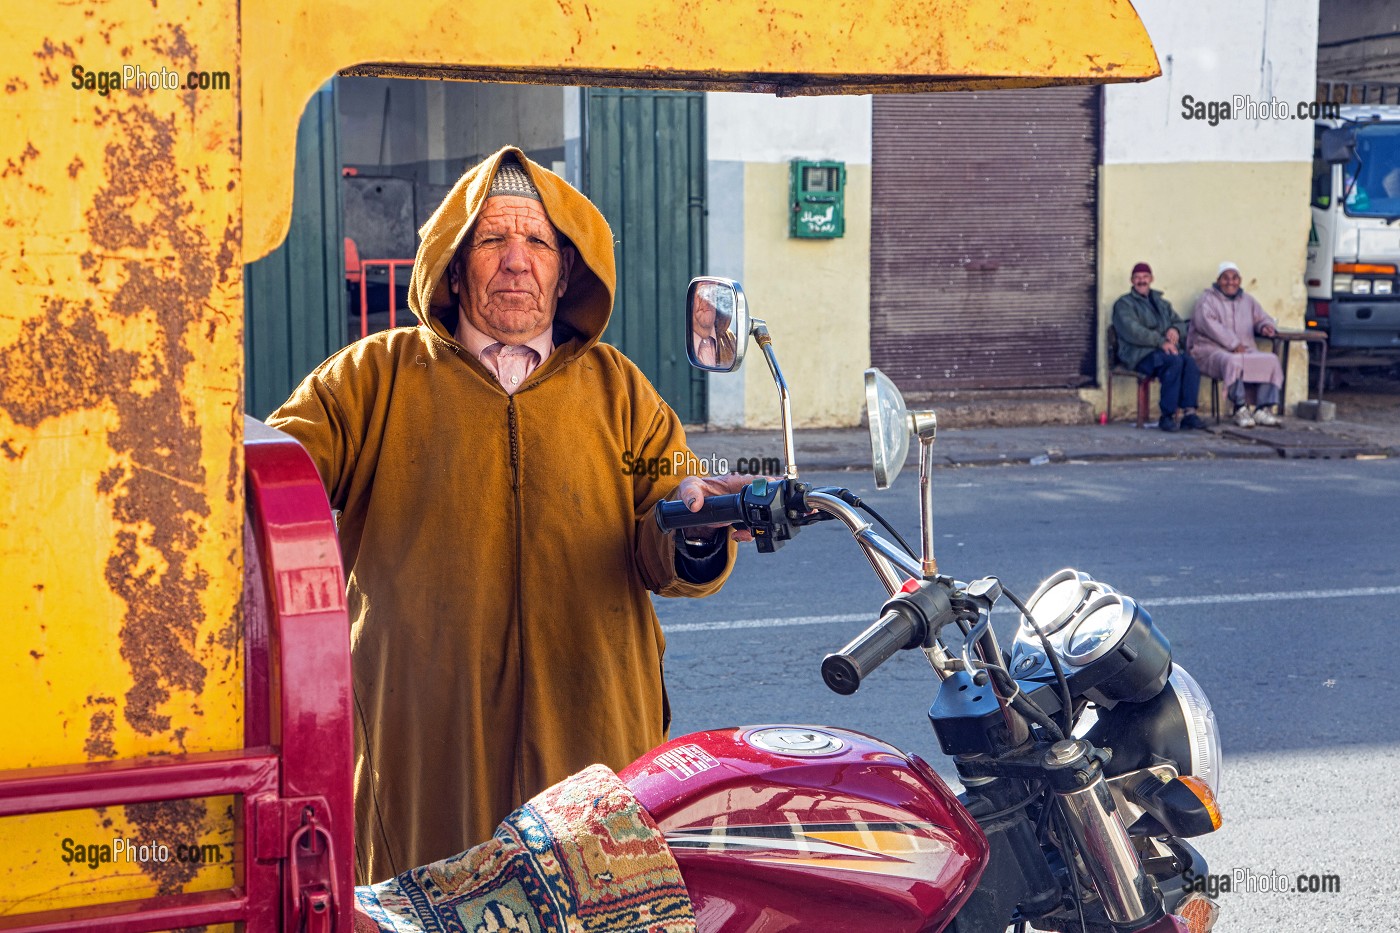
(1363, 268)
(1198, 912)
(1206, 796)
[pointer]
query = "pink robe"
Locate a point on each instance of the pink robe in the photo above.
(1218, 325)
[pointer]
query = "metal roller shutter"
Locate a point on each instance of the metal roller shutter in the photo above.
(983, 258)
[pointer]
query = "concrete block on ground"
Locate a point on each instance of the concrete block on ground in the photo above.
(1317, 411)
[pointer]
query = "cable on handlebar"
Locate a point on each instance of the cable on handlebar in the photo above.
(1023, 704)
(855, 501)
(1067, 724)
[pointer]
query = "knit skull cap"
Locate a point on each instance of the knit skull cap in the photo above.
(511, 179)
(1226, 266)
(1142, 267)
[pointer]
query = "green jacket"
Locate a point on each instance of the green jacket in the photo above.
(1142, 325)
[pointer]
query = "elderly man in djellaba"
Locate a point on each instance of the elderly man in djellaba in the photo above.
(1223, 327)
(498, 555)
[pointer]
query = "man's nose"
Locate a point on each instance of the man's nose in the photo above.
(516, 257)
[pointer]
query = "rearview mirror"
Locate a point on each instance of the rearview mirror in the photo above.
(717, 330)
(1338, 144)
(889, 427)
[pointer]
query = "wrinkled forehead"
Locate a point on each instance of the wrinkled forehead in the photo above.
(507, 213)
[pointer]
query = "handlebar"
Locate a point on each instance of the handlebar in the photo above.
(844, 670)
(715, 510)
(910, 619)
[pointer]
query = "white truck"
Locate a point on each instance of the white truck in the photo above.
(1353, 268)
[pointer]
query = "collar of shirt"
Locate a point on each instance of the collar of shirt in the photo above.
(504, 362)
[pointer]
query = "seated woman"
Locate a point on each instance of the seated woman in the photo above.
(1221, 341)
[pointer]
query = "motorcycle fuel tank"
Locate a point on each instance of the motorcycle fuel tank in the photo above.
(782, 828)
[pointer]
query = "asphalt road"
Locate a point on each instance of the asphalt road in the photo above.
(1277, 583)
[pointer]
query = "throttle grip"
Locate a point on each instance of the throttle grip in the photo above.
(896, 629)
(715, 510)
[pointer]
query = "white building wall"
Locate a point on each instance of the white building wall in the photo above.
(814, 294)
(1262, 49)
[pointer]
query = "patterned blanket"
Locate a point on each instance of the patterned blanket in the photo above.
(583, 856)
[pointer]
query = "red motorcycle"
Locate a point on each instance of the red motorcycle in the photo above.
(1087, 756)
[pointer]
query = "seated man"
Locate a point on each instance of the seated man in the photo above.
(1223, 327)
(1149, 341)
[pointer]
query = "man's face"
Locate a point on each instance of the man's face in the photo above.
(1229, 283)
(516, 270)
(1142, 282)
(704, 314)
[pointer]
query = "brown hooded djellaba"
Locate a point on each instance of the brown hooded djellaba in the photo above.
(498, 549)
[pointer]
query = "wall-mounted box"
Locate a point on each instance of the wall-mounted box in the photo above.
(817, 195)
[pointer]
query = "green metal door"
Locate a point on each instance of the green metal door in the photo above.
(644, 166)
(294, 298)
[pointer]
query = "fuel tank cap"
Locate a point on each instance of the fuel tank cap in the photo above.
(796, 741)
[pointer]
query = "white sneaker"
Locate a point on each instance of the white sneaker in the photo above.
(1244, 417)
(1267, 418)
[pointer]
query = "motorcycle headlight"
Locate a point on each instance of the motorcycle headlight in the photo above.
(1201, 727)
(1177, 724)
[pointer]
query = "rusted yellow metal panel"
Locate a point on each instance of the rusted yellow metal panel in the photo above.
(66, 859)
(781, 46)
(120, 430)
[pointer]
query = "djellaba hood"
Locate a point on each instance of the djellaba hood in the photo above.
(582, 314)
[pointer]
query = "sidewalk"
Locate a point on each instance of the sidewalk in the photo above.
(849, 448)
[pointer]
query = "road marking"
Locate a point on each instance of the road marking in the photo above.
(1361, 591)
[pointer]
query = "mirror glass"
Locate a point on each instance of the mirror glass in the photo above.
(717, 324)
(889, 426)
(1338, 144)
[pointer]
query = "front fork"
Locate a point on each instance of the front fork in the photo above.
(1129, 898)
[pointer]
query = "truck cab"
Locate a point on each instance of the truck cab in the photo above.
(1354, 246)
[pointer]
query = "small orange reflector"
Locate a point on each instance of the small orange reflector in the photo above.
(1363, 268)
(1312, 323)
(1204, 794)
(1198, 912)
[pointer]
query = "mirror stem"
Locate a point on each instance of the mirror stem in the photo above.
(760, 333)
(925, 424)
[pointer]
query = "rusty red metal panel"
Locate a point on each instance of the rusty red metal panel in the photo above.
(983, 243)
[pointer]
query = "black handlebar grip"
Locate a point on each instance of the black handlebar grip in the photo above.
(715, 510)
(844, 670)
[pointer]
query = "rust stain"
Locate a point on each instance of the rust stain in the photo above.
(170, 823)
(9, 451)
(74, 168)
(102, 728)
(48, 50)
(64, 362)
(28, 155)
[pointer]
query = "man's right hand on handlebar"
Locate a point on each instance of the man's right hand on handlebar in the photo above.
(693, 490)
